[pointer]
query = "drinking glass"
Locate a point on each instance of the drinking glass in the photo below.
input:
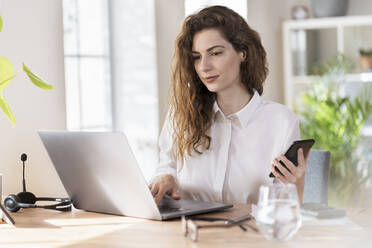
(278, 213)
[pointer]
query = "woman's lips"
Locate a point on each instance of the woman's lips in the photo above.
(210, 79)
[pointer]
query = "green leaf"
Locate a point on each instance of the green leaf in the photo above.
(36, 80)
(1, 23)
(6, 109)
(6, 73)
(6, 82)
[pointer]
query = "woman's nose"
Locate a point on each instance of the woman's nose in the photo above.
(205, 64)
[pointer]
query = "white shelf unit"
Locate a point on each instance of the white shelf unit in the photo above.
(332, 24)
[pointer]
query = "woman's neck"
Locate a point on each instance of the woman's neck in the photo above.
(233, 101)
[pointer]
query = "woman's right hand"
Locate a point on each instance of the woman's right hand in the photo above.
(162, 185)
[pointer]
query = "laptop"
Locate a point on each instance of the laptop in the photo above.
(100, 174)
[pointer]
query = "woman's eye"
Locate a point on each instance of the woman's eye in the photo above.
(216, 53)
(196, 57)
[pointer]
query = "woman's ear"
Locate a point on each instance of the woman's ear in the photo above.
(243, 55)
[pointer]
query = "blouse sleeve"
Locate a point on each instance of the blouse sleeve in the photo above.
(167, 164)
(293, 134)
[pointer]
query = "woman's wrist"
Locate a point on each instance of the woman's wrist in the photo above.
(300, 184)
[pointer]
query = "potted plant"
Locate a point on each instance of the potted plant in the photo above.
(335, 121)
(7, 73)
(327, 8)
(365, 60)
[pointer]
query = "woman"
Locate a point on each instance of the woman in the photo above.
(221, 140)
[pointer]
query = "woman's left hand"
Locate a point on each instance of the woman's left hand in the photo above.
(295, 174)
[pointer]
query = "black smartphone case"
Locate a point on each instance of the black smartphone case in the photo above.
(291, 153)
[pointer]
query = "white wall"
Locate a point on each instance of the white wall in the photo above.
(32, 33)
(169, 15)
(360, 7)
(265, 17)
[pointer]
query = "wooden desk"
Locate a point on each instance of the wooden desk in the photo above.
(47, 228)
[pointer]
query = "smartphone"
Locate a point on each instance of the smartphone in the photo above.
(5, 215)
(291, 153)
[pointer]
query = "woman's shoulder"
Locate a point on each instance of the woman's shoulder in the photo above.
(276, 110)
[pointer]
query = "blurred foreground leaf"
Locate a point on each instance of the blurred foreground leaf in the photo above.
(6, 73)
(6, 109)
(1, 24)
(36, 80)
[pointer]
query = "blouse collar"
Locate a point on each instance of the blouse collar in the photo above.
(245, 114)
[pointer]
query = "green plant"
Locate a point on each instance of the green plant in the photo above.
(335, 122)
(365, 52)
(6, 76)
(336, 65)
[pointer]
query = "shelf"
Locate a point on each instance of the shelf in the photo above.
(359, 77)
(355, 77)
(330, 22)
(313, 41)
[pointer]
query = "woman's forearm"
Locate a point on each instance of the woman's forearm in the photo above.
(300, 184)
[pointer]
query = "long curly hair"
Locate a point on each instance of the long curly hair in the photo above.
(191, 103)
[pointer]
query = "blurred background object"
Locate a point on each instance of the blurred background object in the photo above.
(300, 12)
(365, 60)
(327, 8)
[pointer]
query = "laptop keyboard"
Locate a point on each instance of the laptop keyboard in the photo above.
(169, 205)
(169, 209)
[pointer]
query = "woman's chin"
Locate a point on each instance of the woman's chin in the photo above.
(212, 89)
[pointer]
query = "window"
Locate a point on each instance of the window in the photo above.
(135, 91)
(87, 65)
(110, 69)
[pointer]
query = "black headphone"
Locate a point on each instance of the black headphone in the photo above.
(15, 202)
(26, 199)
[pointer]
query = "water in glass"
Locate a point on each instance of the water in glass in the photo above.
(278, 215)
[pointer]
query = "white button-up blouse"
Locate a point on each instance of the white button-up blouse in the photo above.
(243, 146)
